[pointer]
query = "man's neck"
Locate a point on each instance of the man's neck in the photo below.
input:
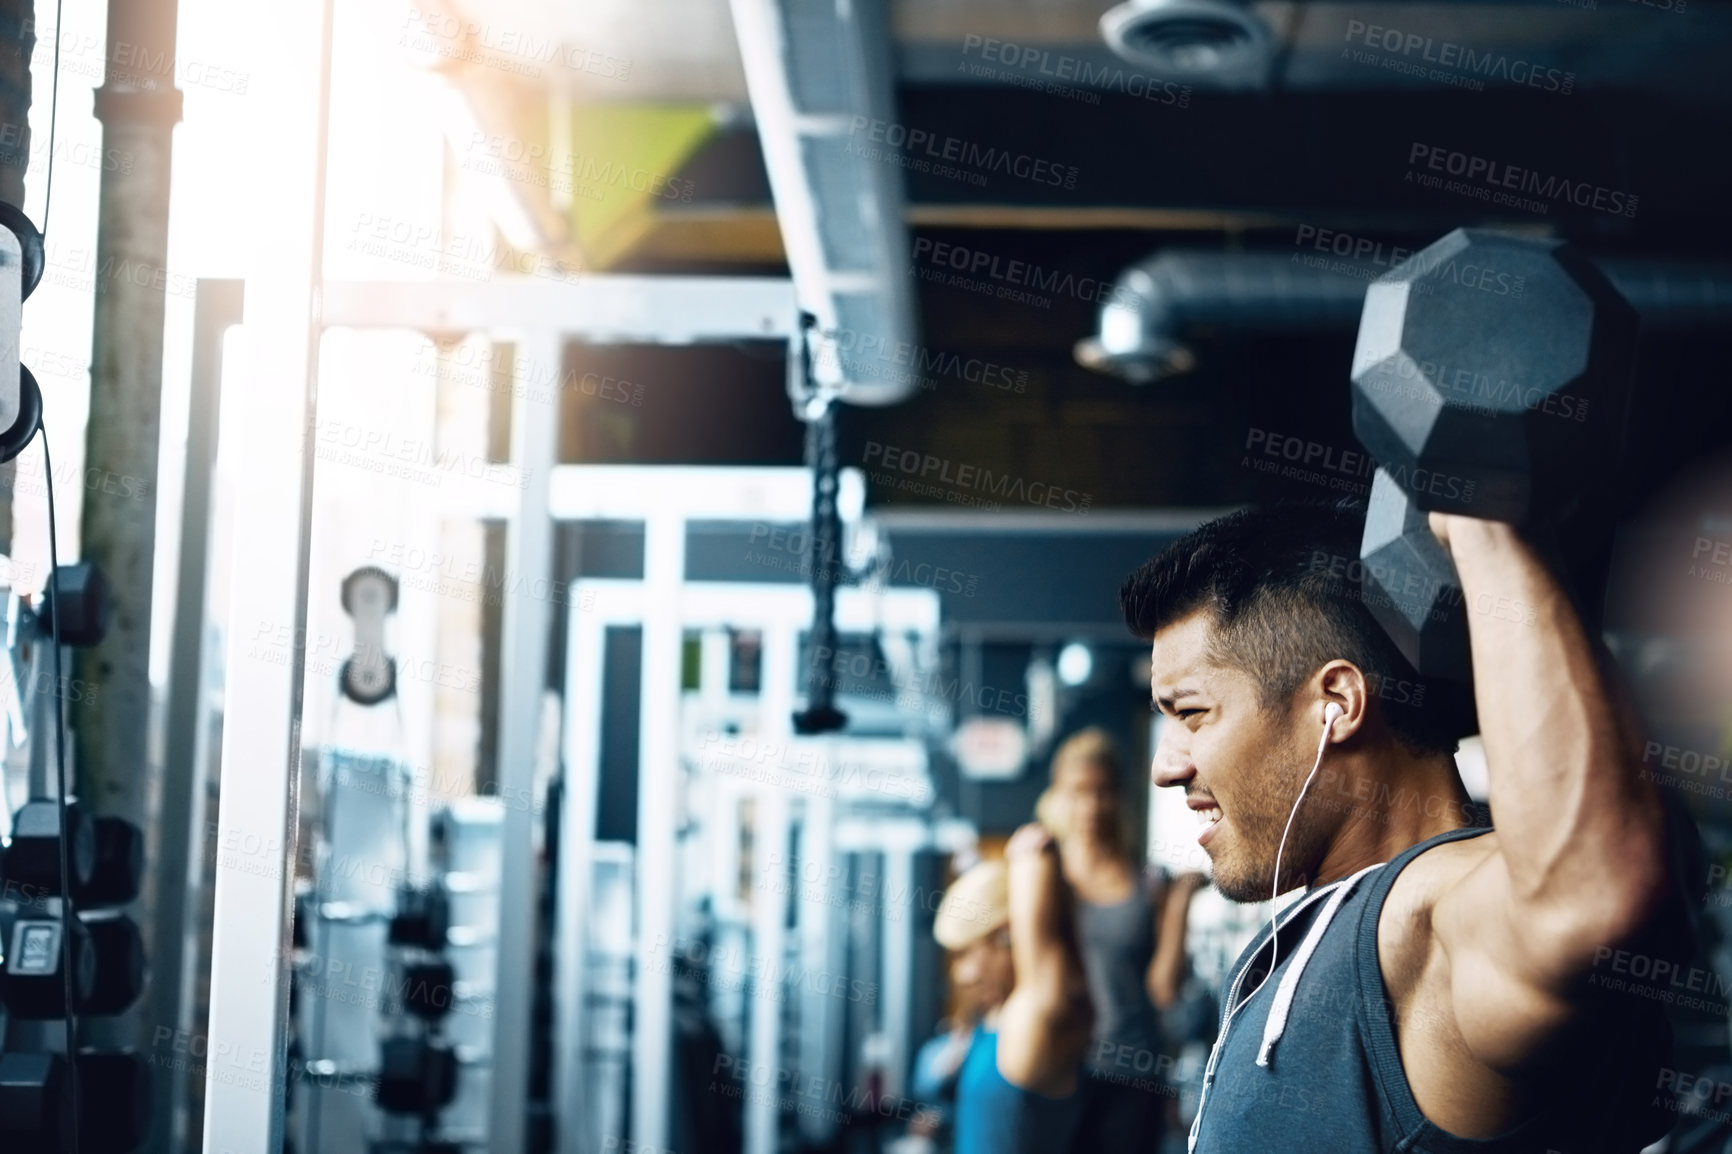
(1393, 801)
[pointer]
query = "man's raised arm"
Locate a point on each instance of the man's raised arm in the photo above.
(1580, 861)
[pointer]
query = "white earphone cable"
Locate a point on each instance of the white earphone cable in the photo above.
(1329, 716)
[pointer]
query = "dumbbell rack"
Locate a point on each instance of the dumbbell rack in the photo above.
(105, 858)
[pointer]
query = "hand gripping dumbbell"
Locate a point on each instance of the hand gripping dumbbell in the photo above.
(1491, 378)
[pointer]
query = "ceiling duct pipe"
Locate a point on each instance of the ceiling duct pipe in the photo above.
(823, 95)
(1159, 305)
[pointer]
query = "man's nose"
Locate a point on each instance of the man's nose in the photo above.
(1172, 762)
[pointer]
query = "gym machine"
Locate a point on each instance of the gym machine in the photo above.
(378, 988)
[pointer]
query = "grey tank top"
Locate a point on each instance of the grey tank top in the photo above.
(1307, 1060)
(1117, 942)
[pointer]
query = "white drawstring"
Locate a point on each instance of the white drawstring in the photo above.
(1277, 1021)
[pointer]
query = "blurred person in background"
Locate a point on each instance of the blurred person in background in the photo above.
(1131, 936)
(1010, 931)
(937, 1069)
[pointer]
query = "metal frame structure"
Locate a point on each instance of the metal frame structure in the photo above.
(665, 605)
(261, 734)
(180, 848)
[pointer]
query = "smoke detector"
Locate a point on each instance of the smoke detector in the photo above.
(1220, 41)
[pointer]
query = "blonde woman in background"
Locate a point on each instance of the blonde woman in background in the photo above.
(1131, 935)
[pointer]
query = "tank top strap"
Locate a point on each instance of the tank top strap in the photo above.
(1381, 1046)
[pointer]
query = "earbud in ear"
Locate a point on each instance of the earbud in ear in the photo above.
(1331, 712)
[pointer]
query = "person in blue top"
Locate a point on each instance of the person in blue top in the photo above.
(1010, 932)
(1437, 986)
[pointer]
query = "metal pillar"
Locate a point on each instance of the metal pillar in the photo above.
(257, 830)
(523, 680)
(179, 860)
(664, 571)
(138, 106)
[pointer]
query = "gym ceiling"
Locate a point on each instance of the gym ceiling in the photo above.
(1319, 139)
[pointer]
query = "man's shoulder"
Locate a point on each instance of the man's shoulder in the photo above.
(1404, 924)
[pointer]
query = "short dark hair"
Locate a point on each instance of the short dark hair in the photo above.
(1281, 583)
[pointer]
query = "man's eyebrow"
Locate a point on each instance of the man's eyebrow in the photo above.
(1177, 696)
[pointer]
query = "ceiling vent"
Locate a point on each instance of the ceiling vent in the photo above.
(1212, 41)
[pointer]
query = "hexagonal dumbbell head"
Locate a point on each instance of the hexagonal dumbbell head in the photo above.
(120, 964)
(78, 597)
(32, 1113)
(119, 872)
(1409, 584)
(120, 1081)
(32, 981)
(33, 857)
(1492, 376)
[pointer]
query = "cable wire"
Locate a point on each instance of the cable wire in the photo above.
(53, 116)
(1275, 886)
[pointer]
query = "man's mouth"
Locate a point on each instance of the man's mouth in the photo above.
(1209, 817)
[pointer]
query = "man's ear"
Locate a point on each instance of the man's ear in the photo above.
(1344, 686)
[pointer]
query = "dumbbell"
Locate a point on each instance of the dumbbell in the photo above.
(33, 854)
(1491, 378)
(428, 988)
(79, 596)
(113, 1096)
(118, 873)
(105, 854)
(423, 917)
(417, 1076)
(107, 966)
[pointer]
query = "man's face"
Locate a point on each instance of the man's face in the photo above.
(1238, 764)
(982, 971)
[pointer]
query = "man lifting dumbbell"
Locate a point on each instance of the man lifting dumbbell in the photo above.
(1434, 987)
